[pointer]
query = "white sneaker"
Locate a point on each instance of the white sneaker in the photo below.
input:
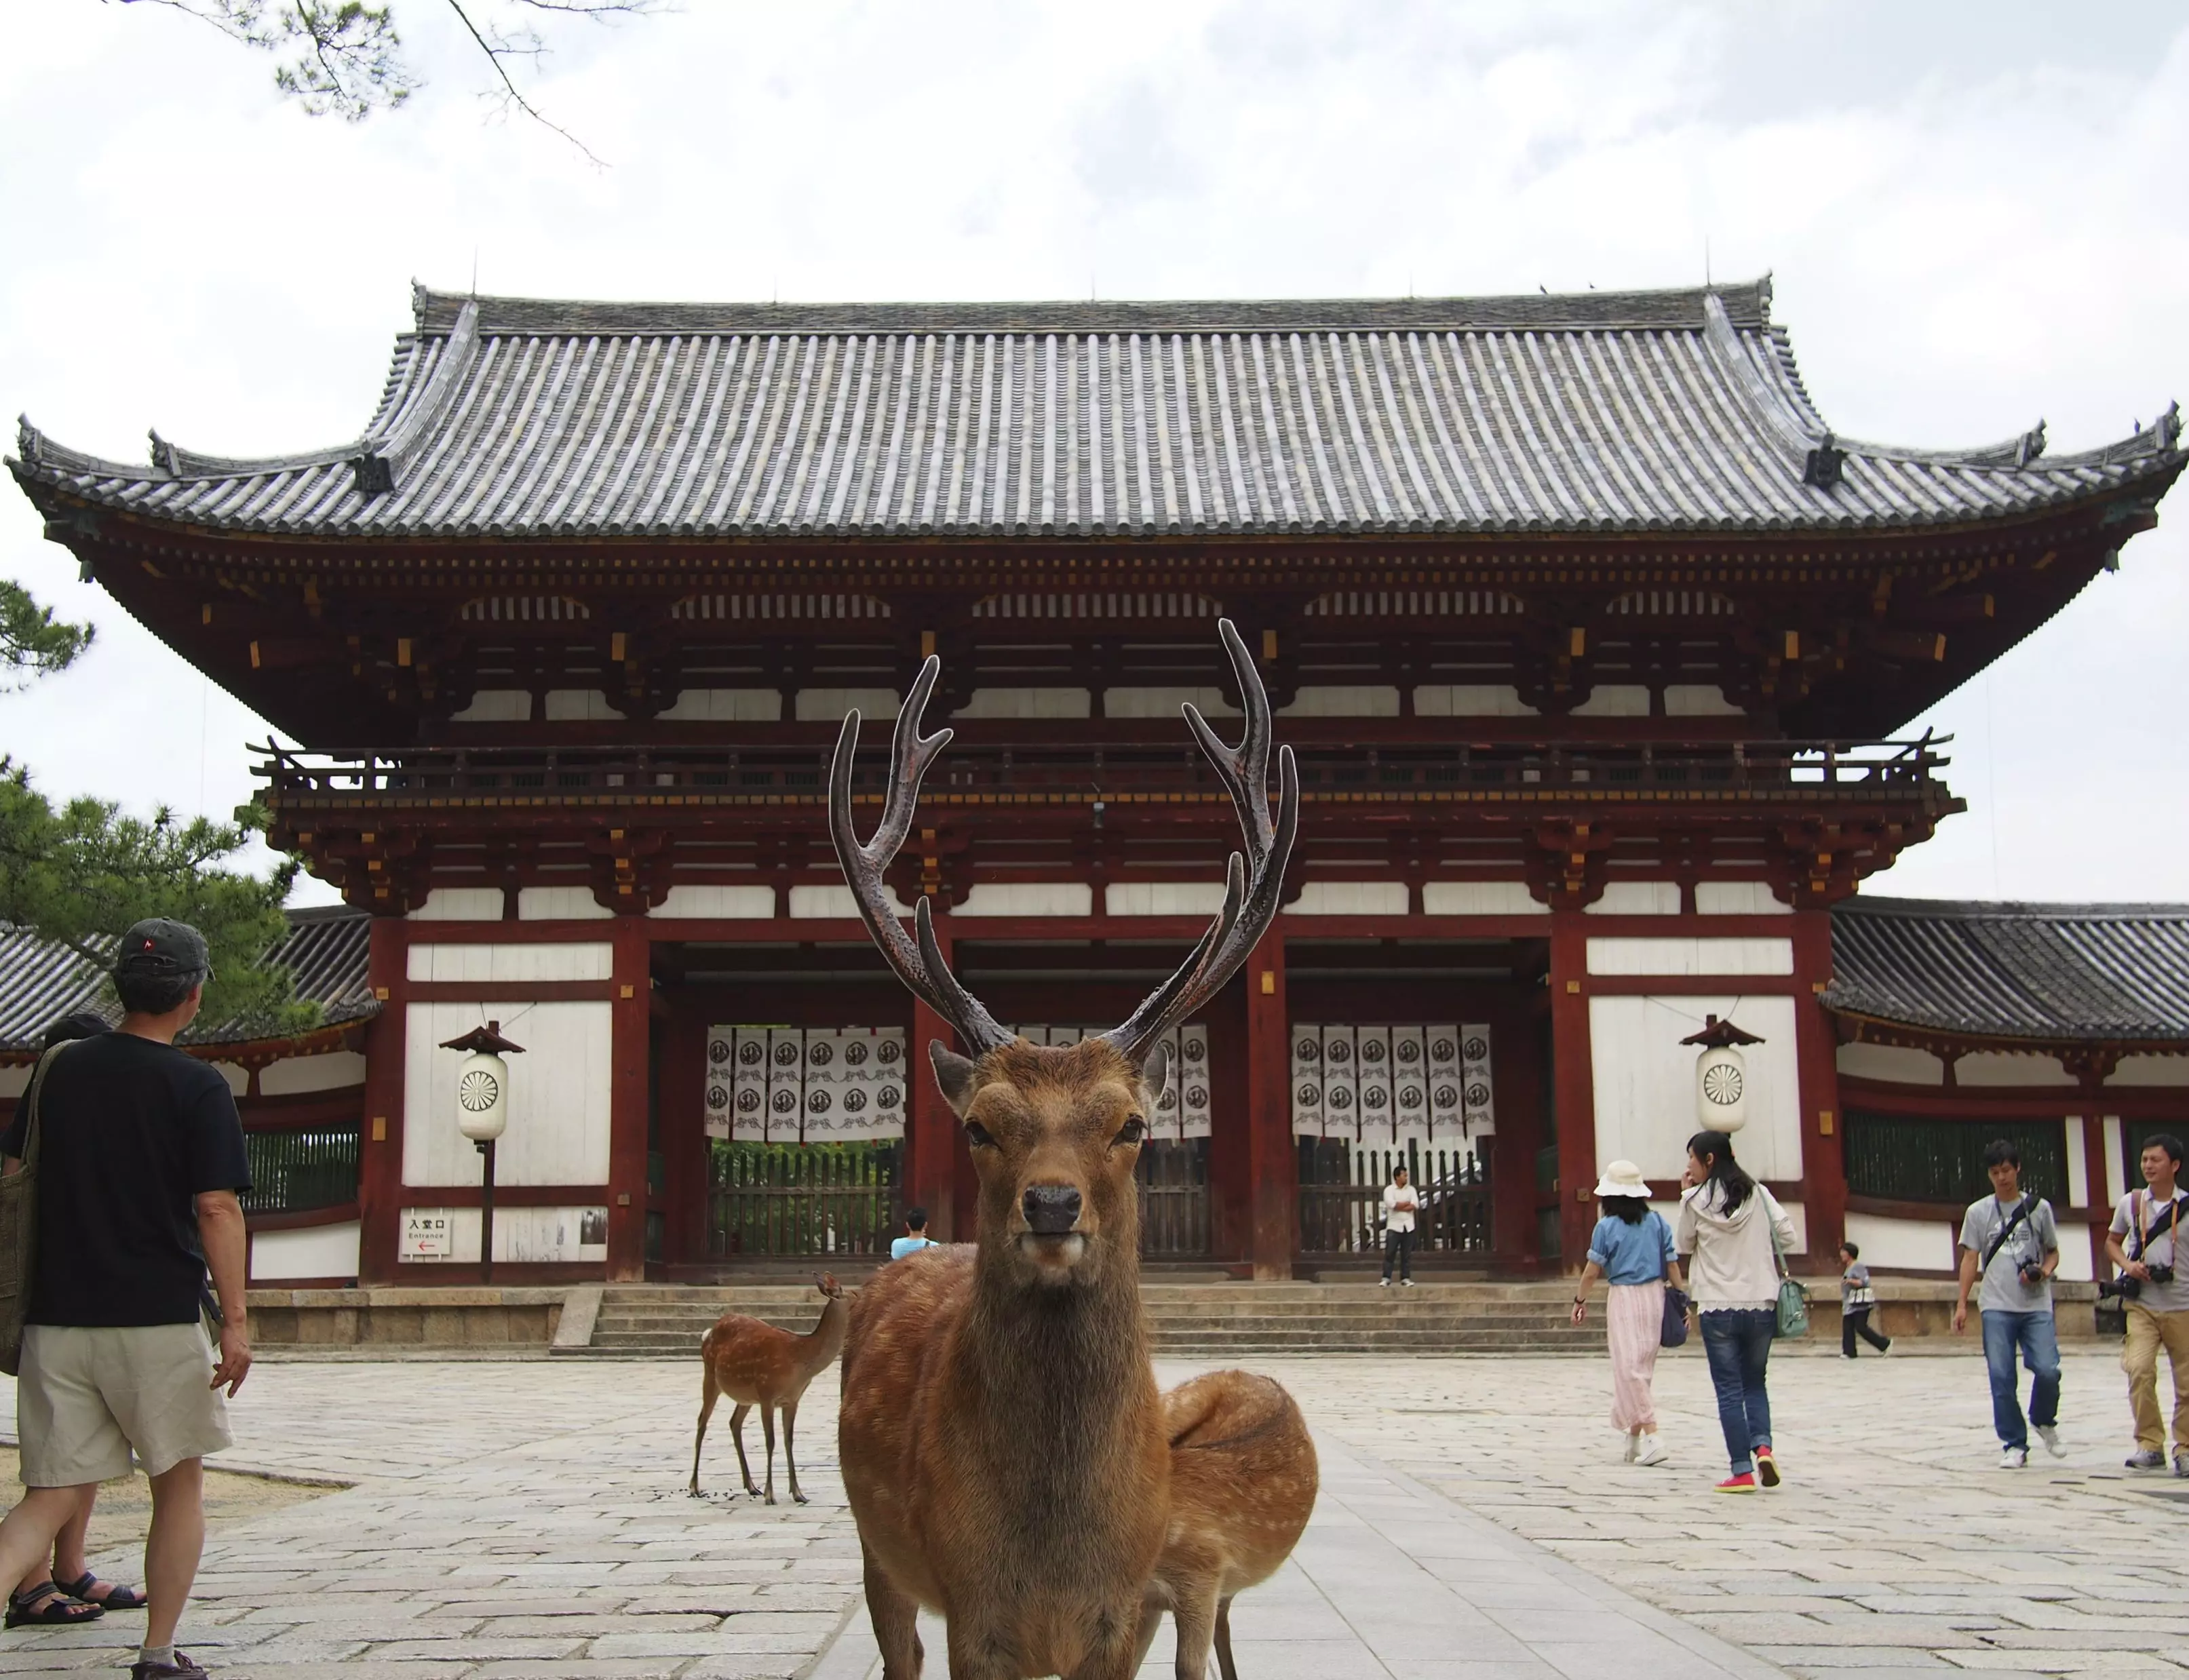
(2050, 1434)
(1653, 1451)
(2014, 1458)
(1407, 1282)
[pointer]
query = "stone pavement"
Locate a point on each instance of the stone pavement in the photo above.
(528, 1522)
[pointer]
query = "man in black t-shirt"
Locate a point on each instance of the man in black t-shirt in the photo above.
(140, 1158)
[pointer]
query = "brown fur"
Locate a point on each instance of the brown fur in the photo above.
(1243, 1482)
(757, 1364)
(1002, 1438)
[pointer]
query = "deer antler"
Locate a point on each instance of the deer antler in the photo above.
(920, 966)
(1253, 885)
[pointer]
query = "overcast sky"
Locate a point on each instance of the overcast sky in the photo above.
(1973, 213)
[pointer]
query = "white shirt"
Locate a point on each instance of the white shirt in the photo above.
(1399, 1201)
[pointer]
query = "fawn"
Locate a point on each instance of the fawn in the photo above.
(756, 1364)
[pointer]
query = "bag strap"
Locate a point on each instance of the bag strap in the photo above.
(1771, 1211)
(2021, 1211)
(2159, 1226)
(30, 1094)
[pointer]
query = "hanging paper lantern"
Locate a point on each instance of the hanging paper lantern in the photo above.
(1721, 1075)
(483, 1082)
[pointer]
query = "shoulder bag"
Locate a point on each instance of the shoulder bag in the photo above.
(19, 1225)
(1793, 1316)
(1673, 1331)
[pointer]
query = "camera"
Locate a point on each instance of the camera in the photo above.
(2130, 1288)
(2032, 1274)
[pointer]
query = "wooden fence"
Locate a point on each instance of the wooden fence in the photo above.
(819, 1199)
(1340, 1197)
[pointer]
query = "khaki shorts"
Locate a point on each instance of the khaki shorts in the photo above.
(85, 1398)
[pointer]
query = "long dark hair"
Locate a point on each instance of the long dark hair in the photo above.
(1632, 1209)
(1734, 1185)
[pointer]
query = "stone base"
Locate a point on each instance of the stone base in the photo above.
(465, 1317)
(1918, 1308)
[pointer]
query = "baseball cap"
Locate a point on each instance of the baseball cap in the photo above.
(158, 946)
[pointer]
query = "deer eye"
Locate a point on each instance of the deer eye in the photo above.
(976, 1136)
(1131, 1132)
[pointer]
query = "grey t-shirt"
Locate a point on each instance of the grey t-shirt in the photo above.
(2160, 1298)
(2036, 1236)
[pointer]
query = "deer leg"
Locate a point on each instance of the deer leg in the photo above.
(897, 1624)
(789, 1460)
(1113, 1652)
(709, 1394)
(737, 1434)
(767, 1429)
(1195, 1614)
(1224, 1639)
(1151, 1615)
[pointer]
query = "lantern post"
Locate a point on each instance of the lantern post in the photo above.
(482, 1114)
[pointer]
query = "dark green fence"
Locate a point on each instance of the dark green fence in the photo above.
(841, 1198)
(293, 1172)
(1897, 1158)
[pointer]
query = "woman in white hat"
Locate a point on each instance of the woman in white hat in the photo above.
(1632, 1248)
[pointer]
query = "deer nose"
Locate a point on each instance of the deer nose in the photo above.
(1051, 1210)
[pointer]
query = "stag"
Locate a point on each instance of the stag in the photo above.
(1002, 1439)
(760, 1364)
(1242, 1482)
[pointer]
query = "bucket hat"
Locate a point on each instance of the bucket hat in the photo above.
(1623, 1178)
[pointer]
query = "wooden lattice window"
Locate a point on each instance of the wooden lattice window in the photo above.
(294, 1172)
(1899, 1158)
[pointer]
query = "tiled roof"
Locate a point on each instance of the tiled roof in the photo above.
(325, 952)
(2056, 973)
(1601, 411)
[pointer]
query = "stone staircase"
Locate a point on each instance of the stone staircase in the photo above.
(1196, 1319)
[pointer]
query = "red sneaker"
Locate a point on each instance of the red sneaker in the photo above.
(1743, 1483)
(1766, 1467)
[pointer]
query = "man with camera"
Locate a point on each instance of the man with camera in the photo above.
(2141, 1244)
(2010, 1238)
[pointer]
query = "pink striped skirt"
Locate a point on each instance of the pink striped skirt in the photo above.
(1634, 1318)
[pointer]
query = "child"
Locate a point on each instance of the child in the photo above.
(1857, 1298)
(915, 1237)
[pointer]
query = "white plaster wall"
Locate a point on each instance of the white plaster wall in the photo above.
(316, 1251)
(1739, 898)
(1615, 700)
(828, 705)
(336, 1070)
(1645, 1083)
(1892, 1063)
(1988, 1068)
(2151, 1070)
(1698, 699)
(558, 1093)
(580, 705)
(1029, 898)
(726, 903)
(2079, 1163)
(1339, 700)
(14, 1081)
(461, 904)
(2076, 1263)
(2116, 1168)
(561, 904)
(1691, 956)
(726, 705)
(1463, 700)
(520, 1235)
(1164, 701)
(1637, 898)
(495, 705)
(823, 903)
(495, 964)
(1480, 898)
(1163, 898)
(1350, 898)
(1028, 703)
(238, 1079)
(1904, 1245)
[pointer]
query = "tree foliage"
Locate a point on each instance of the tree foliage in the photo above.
(78, 876)
(33, 643)
(344, 57)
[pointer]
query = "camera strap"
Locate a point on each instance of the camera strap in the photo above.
(2159, 1226)
(2021, 1212)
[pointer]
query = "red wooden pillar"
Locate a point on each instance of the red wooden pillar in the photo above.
(2100, 1182)
(1272, 1161)
(1823, 1128)
(682, 1109)
(931, 1146)
(1509, 1154)
(629, 1041)
(380, 1149)
(1230, 1180)
(1574, 1086)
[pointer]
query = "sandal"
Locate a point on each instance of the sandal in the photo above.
(116, 1598)
(46, 1605)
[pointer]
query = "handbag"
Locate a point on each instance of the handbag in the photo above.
(1793, 1314)
(1674, 1333)
(19, 1225)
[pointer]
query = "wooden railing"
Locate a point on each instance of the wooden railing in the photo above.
(1173, 1192)
(785, 1199)
(1340, 1197)
(293, 1172)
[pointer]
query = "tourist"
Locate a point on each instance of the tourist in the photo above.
(1632, 1249)
(2157, 1302)
(1734, 1230)
(1857, 1298)
(915, 1237)
(2009, 1237)
(69, 1592)
(1399, 1203)
(141, 1159)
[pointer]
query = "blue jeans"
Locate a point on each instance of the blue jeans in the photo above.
(2032, 1334)
(1736, 1341)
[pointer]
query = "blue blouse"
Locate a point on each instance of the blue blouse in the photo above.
(1640, 1253)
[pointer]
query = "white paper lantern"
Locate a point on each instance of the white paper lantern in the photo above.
(482, 1096)
(1721, 1075)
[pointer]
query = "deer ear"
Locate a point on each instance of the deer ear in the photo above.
(1155, 1073)
(953, 1076)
